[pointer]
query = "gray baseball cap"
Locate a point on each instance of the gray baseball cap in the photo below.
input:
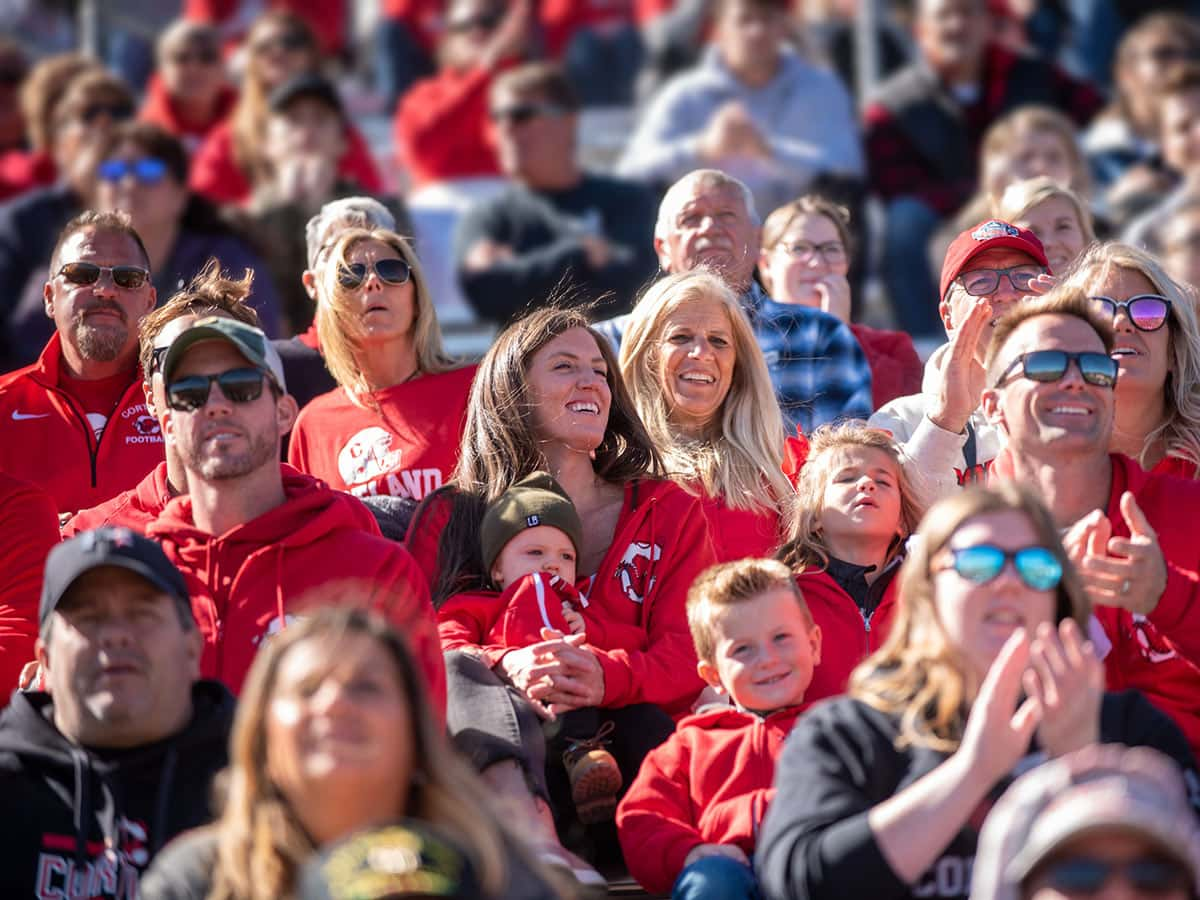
(249, 341)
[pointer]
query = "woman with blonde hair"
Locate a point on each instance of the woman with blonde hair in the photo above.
(881, 793)
(855, 509)
(1157, 415)
(700, 385)
(393, 425)
(334, 736)
(1056, 214)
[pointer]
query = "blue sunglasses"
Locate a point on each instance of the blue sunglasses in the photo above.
(147, 170)
(1036, 566)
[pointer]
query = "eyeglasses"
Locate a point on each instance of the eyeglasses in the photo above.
(1038, 567)
(1147, 312)
(473, 23)
(128, 277)
(115, 111)
(389, 271)
(1084, 875)
(147, 170)
(831, 251)
(980, 282)
(292, 40)
(1051, 365)
(520, 113)
(190, 393)
(201, 56)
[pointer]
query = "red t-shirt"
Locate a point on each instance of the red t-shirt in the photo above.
(98, 398)
(406, 448)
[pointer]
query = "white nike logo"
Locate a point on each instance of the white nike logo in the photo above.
(18, 416)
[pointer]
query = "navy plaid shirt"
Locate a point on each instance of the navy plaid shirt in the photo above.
(816, 364)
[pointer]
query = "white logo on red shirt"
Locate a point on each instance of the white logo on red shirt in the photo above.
(367, 456)
(633, 571)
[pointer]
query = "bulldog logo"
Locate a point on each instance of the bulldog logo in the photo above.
(633, 571)
(367, 456)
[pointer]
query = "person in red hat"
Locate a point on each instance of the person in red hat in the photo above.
(946, 439)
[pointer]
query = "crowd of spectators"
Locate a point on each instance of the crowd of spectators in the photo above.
(716, 569)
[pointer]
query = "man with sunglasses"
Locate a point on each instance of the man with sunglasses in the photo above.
(556, 223)
(75, 422)
(259, 544)
(1051, 380)
(947, 440)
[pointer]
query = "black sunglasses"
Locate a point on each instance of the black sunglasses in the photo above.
(520, 113)
(129, 277)
(474, 23)
(118, 112)
(1051, 365)
(980, 282)
(190, 393)
(1147, 312)
(389, 270)
(202, 56)
(289, 40)
(1084, 875)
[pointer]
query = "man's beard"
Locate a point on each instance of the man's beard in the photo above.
(222, 467)
(99, 343)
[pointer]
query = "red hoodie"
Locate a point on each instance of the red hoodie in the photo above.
(406, 449)
(49, 441)
(708, 783)
(160, 109)
(661, 543)
(216, 174)
(1159, 654)
(248, 583)
(740, 533)
(28, 529)
(441, 127)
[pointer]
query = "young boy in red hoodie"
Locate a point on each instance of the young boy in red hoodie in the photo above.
(689, 821)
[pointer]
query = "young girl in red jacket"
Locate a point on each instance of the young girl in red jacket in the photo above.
(855, 510)
(690, 818)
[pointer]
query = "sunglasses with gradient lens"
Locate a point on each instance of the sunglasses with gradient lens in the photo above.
(128, 277)
(147, 170)
(1147, 312)
(389, 270)
(190, 393)
(1051, 365)
(1037, 566)
(1084, 876)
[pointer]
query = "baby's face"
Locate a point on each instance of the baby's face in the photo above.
(542, 548)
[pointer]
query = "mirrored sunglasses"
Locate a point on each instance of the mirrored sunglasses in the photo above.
(389, 271)
(1038, 567)
(1147, 312)
(1051, 365)
(147, 170)
(190, 393)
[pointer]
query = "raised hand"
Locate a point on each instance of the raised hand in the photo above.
(963, 377)
(1067, 679)
(1129, 573)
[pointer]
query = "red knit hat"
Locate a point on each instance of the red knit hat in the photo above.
(989, 235)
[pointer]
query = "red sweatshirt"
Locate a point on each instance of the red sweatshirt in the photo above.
(708, 783)
(660, 545)
(248, 583)
(1159, 654)
(48, 440)
(28, 529)
(739, 533)
(441, 127)
(847, 638)
(216, 175)
(896, 370)
(406, 449)
(162, 110)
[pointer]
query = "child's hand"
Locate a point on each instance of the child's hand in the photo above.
(573, 619)
(702, 850)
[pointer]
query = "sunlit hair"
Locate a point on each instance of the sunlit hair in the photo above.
(339, 315)
(1179, 431)
(1022, 196)
(680, 192)
(42, 89)
(1003, 138)
(729, 584)
(500, 445)
(1061, 300)
(117, 222)
(260, 839)
(740, 456)
(919, 675)
(806, 549)
(779, 222)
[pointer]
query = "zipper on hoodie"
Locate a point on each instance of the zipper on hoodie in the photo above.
(89, 434)
(866, 617)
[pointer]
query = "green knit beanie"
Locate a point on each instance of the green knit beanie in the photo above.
(537, 499)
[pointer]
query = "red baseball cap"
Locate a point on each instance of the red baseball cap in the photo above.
(989, 235)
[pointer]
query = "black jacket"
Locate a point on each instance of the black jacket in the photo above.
(840, 760)
(94, 819)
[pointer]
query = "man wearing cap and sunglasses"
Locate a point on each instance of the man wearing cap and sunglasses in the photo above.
(1050, 392)
(947, 440)
(118, 755)
(76, 422)
(258, 544)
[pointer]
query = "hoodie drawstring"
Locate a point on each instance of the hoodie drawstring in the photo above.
(279, 588)
(82, 807)
(165, 783)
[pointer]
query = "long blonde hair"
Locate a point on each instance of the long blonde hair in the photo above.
(1179, 431)
(261, 844)
(806, 548)
(339, 315)
(918, 674)
(740, 458)
(1022, 196)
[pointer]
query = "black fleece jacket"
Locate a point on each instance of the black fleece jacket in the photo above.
(840, 760)
(83, 823)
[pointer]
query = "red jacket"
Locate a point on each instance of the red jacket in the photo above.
(739, 533)
(406, 449)
(846, 637)
(896, 370)
(1177, 466)
(28, 529)
(135, 508)
(48, 440)
(708, 783)
(248, 583)
(1159, 654)
(160, 109)
(441, 127)
(24, 170)
(216, 175)
(660, 545)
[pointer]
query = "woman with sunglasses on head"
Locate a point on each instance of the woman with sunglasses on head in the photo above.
(1157, 416)
(393, 425)
(279, 46)
(987, 672)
